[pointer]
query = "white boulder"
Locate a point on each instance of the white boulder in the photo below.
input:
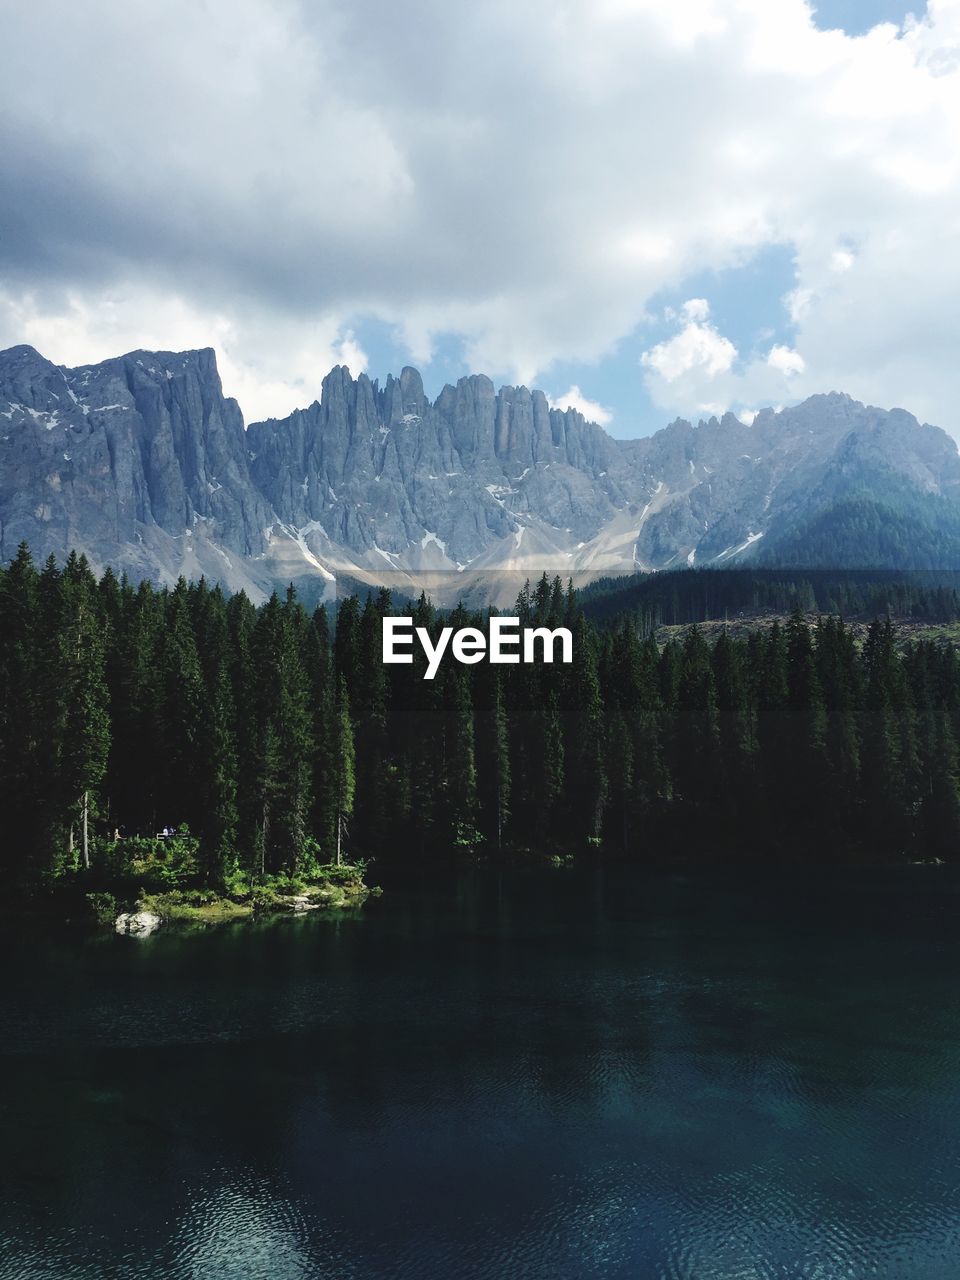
(137, 924)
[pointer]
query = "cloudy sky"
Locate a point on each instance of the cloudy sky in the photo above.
(649, 208)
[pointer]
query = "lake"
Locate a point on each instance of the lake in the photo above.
(575, 1074)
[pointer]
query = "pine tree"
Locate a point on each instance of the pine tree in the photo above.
(252, 767)
(179, 714)
(20, 786)
(695, 761)
(736, 730)
(773, 726)
(135, 761)
(586, 779)
(493, 754)
(806, 727)
(460, 774)
(318, 664)
(839, 678)
(346, 766)
(884, 787)
(283, 748)
(85, 700)
(620, 772)
(368, 702)
(217, 824)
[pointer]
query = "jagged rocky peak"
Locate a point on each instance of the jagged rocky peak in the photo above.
(512, 425)
(413, 402)
(380, 469)
(28, 378)
(142, 462)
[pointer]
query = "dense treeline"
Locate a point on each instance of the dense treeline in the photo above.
(686, 596)
(126, 707)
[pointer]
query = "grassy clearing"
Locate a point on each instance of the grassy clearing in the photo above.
(327, 889)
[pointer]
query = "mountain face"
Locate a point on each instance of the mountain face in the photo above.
(142, 463)
(402, 482)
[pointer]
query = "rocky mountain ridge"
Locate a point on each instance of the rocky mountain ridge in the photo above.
(142, 463)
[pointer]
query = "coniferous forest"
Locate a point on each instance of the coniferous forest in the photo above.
(279, 740)
(682, 596)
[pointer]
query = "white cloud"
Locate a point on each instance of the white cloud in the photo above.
(692, 309)
(696, 309)
(558, 167)
(698, 348)
(269, 363)
(799, 303)
(786, 360)
(575, 399)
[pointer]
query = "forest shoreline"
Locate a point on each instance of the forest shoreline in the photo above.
(76, 907)
(181, 743)
(94, 904)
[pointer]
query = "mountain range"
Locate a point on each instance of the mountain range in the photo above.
(142, 463)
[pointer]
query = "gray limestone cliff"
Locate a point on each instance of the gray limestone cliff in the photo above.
(123, 459)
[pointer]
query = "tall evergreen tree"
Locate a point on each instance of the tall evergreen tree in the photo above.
(346, 767)
(85, 700)
(492, 754)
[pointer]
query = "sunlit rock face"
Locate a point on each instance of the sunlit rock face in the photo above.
(142, 463)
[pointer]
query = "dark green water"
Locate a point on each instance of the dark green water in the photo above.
(544, 1077)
